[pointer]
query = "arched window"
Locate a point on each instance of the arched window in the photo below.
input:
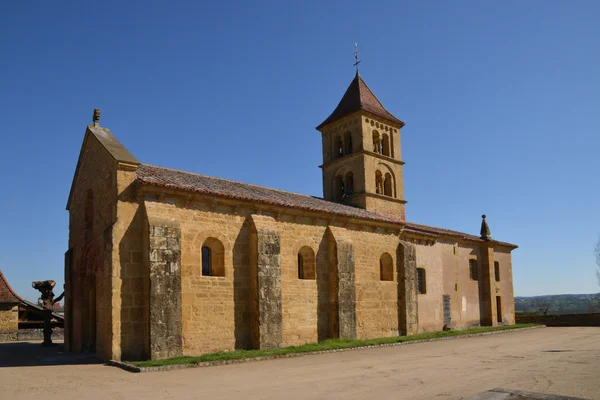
(387, 185)
(376, 142)
(307, 268)
(349, 184)
(89, 215)
(339, 188)
(206, 261)
(385, 145)
(421, 281)
(386, 269)
(338, 149)
(378, 182)
(213, 258)
(348, 141)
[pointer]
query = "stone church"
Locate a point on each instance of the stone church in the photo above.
(163, 262)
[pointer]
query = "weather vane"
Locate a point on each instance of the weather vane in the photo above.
(356, 56)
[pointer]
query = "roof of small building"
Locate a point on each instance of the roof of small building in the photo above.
(192, 182)
(7, 294)
(29, 304)
(358, 96)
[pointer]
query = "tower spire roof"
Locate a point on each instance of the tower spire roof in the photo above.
(358, 96)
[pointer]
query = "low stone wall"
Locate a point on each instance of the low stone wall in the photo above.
(30, 335)
(561, 320)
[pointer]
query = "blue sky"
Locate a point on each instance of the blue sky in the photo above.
(500, 102)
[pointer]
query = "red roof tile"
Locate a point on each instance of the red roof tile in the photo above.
(191, 182)
(175, 179)
(417, 228)
(7, 295)
(358, 96)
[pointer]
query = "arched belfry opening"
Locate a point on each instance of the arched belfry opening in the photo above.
(338, 147)
(349, 184)
(376, 142)
(385, 145)
(348, 143)
(387, 185)
(339, 188)
(378, 182)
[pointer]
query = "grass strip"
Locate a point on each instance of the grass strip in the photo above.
(331, 344)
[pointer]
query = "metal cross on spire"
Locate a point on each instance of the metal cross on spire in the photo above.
(356, 57)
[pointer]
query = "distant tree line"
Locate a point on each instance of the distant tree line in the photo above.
(558, 304)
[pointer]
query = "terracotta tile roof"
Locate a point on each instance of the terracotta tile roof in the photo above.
(191, 182)
(175, 179)
(419, 228)
(7, 294)
(358, 96)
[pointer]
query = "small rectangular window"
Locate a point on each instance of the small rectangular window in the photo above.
(473, 270)
(497, 270)
(300, 267)
(421, 281)
(206, 261)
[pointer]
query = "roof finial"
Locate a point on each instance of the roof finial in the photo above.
(356, 56)
(485, 229)
(96, 117)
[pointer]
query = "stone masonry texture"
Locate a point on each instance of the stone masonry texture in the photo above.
(268, 282)
(165, 289)
(9, 317)
(343, 259)
(408, 315)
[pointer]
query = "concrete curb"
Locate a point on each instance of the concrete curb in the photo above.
(133, 368)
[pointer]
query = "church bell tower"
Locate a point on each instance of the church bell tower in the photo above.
(362, 159)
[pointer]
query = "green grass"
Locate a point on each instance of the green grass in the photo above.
(332, 344)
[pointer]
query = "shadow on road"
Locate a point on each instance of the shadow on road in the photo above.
(32, 354)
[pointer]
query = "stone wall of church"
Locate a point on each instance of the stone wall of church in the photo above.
(87, 280)
(218, 313)
(429, 257)
(9, 317)
(504, 287)
(209, 313)
(382, 205)
(376, 300)
(447, 273)
(224, 312)
(446, 265)
(217, 310)
(305, 301)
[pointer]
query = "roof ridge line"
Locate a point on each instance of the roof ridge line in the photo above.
(232, 181)
(345, 210)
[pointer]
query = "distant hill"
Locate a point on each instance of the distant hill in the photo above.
(559, 304)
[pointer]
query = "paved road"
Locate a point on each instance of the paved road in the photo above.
(554, 360)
